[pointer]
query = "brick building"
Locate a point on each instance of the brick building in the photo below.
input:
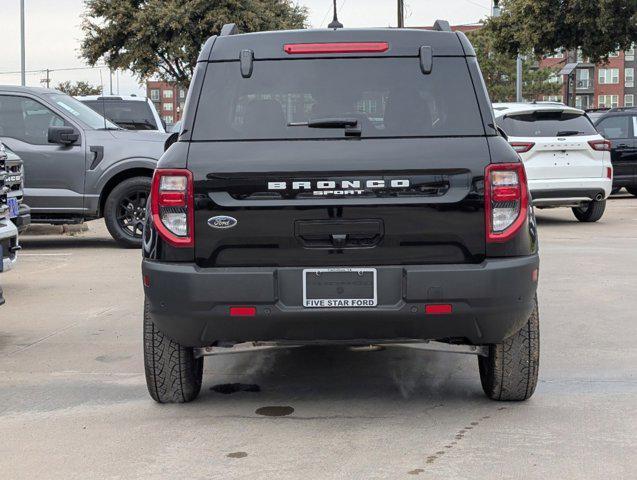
(169, 99)
(597, 86)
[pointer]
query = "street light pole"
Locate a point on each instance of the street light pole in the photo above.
(23, 79)
(401, 14)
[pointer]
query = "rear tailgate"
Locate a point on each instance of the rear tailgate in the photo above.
(562, 157)
(366, 202)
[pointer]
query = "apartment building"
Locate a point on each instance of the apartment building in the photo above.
(169, 100)
(604, 85)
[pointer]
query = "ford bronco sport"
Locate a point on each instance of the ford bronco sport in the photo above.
(339, 186)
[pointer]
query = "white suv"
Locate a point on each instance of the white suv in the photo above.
(567, 162)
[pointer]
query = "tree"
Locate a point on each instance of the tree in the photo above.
(163, 37)
(79, 88)
(499, 71)
(598, 27)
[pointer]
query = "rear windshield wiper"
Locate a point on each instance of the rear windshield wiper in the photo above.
(568, 133)
(350, 125)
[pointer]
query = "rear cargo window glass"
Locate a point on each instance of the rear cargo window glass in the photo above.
(547, 124)
(130, 114)
(614, 127)
(390, 97)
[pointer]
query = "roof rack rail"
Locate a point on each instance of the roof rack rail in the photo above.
(442, 26)
(229, 29)
(621, 109)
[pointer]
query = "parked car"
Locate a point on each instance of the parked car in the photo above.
(619, 126)
(334, 187)
(19, 212)
(78, 165)
(129, 112)
(566, 160)
(596, 113)
(8, 231)
(175, 128)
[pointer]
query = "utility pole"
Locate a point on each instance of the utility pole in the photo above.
(47, 80)
(23, 77)
(401, 14)
(518, 62)
(518, 79)
(110, 76)
(495, 12)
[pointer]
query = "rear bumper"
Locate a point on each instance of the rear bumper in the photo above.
(625, 180)
(565, 191)
(490, 300)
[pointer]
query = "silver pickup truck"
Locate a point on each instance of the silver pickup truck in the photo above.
(78, 165)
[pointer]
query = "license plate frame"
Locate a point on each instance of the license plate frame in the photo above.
(14, 207)
(367, 301)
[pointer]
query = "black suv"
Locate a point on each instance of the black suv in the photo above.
(339, 186)
(619, 125)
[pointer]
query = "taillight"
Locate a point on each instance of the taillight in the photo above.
(172, 206)
(522, 147)
(600, 145)
(506, 200)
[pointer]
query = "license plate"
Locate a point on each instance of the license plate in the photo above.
(14, 207)
(339, 288)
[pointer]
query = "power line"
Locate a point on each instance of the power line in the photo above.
(44, 70)
(478, 4)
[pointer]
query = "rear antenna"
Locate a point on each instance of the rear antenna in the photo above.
(335, 23)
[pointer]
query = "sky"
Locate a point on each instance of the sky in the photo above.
(53, 33)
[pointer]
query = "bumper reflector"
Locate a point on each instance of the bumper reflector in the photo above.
(438, 309)
(243, 311)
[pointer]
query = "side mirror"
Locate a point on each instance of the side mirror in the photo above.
(63, 135)
(170, 140)
(502, 133)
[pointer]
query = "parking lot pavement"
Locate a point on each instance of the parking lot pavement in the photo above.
(73, 401)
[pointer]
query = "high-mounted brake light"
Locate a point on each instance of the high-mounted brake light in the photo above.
(506, 198)
(172, 206)
(522, 147)
(343, 47)
(600, 145)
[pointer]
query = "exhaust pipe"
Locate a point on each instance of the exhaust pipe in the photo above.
(599, 197)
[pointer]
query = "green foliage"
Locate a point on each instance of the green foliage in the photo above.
(79, 88)
(599, 27)
(499, 71)
(163, 37)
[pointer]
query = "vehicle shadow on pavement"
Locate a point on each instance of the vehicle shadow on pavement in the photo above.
(67, 242)
(332, 373)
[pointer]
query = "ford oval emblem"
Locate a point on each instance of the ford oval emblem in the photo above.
(222, 221)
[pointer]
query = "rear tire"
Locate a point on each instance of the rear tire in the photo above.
(173, 374)
(510, 371)
(592, 212)
(125, 211)
(632, 190)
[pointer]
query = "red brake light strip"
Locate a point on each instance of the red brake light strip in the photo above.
(343, 47)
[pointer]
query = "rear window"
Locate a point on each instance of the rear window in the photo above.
(390, 97)
(547, 124)
(129, 114)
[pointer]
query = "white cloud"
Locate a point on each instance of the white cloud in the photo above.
(53, 32)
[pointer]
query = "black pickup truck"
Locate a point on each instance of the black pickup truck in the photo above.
(339, 187)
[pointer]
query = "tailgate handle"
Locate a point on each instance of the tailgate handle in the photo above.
(339, 241)
(339, 234)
